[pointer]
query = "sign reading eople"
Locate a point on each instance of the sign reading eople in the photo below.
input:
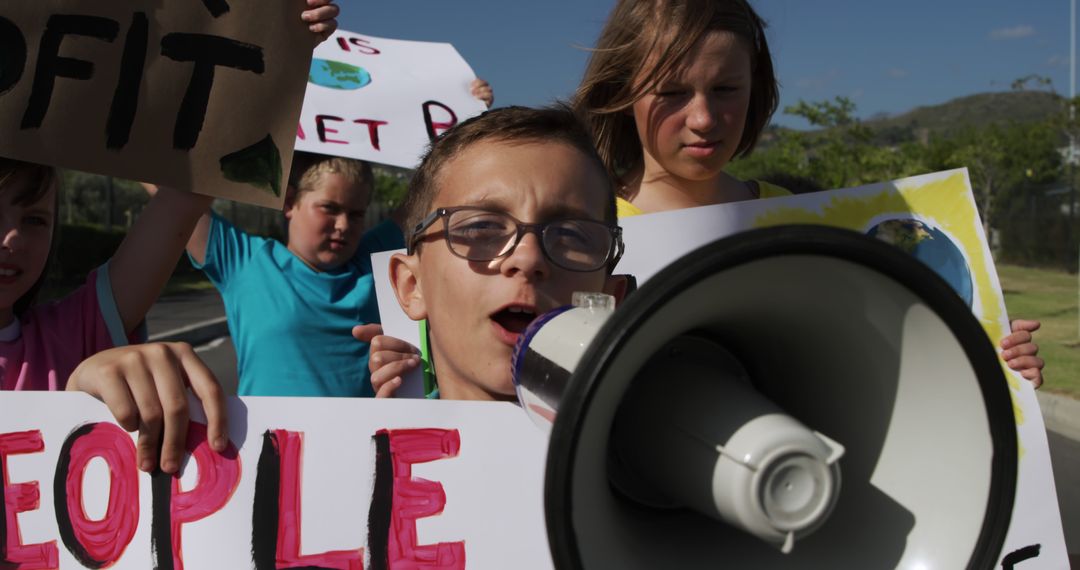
(383, 100)
(201, 96)
(334, 483)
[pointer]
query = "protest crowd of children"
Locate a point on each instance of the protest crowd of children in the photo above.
(495, 236)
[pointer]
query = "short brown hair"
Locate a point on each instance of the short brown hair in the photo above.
(308, 167)
(40, 180)
(651, 38)
(507, 124)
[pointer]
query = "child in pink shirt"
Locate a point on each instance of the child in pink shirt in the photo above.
(39, 350)
(41, 345)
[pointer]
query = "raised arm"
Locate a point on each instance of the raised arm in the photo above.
(146, 258)
(196, 244)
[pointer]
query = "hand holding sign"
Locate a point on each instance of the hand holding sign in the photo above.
(144, 387)
(1021, 353)
(321, 18)
(391, 359)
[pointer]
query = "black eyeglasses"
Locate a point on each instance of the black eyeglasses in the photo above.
(477, 234)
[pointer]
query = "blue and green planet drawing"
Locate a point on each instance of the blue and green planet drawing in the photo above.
(338, 75)
(931, 246)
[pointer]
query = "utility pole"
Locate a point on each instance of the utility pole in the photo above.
(1072, 140)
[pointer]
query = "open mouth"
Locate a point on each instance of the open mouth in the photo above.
(514, 319)
(8, 272)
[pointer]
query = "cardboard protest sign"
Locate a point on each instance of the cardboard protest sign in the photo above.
(201, 96)
(934, 218)
(327, 483)
(381, 99)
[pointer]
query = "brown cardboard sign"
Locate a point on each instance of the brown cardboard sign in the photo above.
(202, 96)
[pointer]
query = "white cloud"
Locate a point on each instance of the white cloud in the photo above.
(818, 83)
(1013, 33)
(897, 73)
(1057, 60)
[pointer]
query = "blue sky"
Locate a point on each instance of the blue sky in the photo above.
(887, 56)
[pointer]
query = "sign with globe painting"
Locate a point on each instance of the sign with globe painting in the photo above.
(383, 100)
(198, 96)
(934, 218)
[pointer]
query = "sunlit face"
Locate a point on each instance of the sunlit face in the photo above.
(477, 310)
(26, 232)
(325, 223)
(691, 124)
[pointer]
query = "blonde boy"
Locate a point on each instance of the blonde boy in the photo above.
(291, 306)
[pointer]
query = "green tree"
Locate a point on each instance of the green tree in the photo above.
(84, 199)
(846, 152)
(842, 152)
(1003, 162)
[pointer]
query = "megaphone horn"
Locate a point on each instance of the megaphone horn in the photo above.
(710, 419)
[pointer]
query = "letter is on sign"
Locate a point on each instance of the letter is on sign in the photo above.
(207, 53)
(51, 66)
(275, 521)
(399, 500)
(219, 475)
(12, 55)
(436, 128)
(100, 543)
(18, 498)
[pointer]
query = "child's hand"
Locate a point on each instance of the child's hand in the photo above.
(389, 358)
(1021, 354)
(482, 90)
(144, 387)
(320, 17)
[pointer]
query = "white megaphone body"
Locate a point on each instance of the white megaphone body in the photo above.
(709, 421)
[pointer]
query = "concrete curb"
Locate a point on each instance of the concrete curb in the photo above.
(195, 333)
(1061, 414)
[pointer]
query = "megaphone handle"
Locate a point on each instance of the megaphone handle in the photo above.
(427, 360)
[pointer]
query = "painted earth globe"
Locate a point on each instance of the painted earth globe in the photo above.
(338, 75)
(931, 246)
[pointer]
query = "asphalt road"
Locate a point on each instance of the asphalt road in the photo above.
(220, 356)
(1065, 457)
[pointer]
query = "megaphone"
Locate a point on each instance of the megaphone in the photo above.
(792, 397)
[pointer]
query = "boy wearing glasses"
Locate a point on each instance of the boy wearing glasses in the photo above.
(510, 213)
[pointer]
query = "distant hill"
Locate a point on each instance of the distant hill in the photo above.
(970, 111)
(976, 110)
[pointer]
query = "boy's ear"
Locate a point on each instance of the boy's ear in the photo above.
(619, 286)
(405, 278)
(291, 193)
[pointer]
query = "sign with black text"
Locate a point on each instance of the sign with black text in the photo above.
(339, 483)
(383, 100)
(200, 96)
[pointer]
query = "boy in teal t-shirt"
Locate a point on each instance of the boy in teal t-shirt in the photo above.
(291, 306)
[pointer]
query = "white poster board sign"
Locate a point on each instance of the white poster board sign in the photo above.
(935, 217)
(311, 482)
(383, 100)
